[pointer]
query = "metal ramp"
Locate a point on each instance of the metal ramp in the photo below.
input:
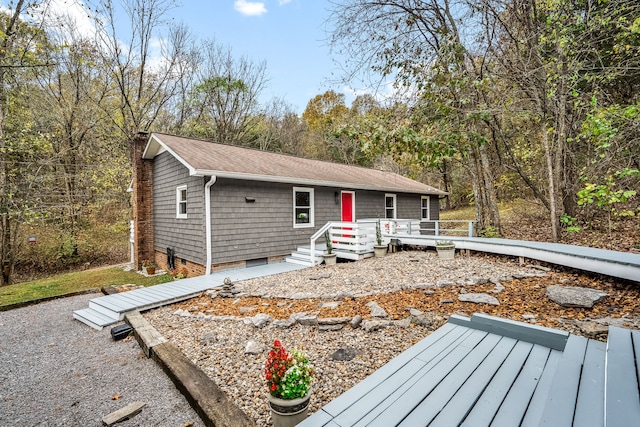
(107, 310)
(623, 265)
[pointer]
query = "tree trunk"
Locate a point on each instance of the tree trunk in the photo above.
(7, 256)
(553, 215)
(492, 202)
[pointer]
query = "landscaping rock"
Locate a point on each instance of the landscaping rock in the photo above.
(308, 321)
(374, 325)
(253, 347)
(260, 320)
(320, 276)
(499, 288)
(404, 323)
(422, 321)
(376, 310)
(573, 296)
(284, 324)
(345, 354)
(592, 329)
(414, 312)
(477, 281)
(228, 290)
(480, 298)
(209, 338)
(539, 267)
(333, 320)
(331, 304)
(182, 313)
(410, 286)
(429, 292)
(445, 283)
(245, 310)
(356, 321)
(325, 328)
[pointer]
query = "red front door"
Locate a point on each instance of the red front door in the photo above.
(347, 207)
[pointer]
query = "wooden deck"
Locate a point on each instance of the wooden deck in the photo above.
(623, 265)
(107, 310)
(488, 371)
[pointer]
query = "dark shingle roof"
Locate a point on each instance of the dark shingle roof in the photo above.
(207, 158)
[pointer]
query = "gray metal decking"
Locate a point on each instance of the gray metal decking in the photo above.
(107, 310)
(489, 371)
(624, 265)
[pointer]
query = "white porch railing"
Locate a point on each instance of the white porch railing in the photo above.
(352, 237)
(360, 237)
(444, 228)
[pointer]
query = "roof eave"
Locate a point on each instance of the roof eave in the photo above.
(155, 146)
(309, 182)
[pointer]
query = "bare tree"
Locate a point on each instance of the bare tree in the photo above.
(145, 79)
(224, 100)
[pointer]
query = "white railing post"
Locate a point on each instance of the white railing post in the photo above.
(312, 248)
(470, 228)
(437, 225)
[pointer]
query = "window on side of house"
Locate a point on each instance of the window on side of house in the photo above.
(181, 202)
(390, 206)
(302, 207)
(424, 210)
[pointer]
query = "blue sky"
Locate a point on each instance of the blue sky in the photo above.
(288, 35)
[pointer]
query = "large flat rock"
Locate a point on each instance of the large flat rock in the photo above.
(573, 296)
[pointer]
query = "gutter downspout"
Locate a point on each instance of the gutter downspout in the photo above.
(207, 222)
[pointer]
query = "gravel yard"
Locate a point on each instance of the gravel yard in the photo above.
(56, 371)
(214, 332)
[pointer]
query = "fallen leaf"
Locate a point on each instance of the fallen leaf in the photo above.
(116, 397)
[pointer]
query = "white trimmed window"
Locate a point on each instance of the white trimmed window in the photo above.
(390, 206)
(302, 207)
(424, 209)
(181, 202)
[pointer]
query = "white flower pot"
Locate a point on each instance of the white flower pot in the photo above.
(330, 259)
(379, 251)
(446, 251)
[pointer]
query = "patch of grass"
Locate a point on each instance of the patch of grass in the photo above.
(468, 212)
(74, 282)
(509, 211)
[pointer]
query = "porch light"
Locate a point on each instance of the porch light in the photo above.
(337, 197)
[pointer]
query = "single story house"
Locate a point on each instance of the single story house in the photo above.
(205, 205)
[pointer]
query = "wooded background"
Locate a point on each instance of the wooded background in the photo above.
(495, 100)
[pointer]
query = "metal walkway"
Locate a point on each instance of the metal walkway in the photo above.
(107, 310)
(623, 265)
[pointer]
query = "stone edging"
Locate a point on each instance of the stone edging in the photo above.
(212, 404)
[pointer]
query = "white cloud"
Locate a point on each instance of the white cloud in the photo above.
(250, 8)
(65, 12)
(283, 2)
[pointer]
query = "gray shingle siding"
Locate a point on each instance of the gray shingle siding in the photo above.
(263, 228)
(242, 230)
(185, 236)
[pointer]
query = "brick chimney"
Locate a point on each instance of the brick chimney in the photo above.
(143, 241)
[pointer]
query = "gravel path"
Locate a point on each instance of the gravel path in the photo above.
(56, 371)
(218, 346)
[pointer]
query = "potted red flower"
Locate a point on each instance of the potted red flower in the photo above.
(289, 377)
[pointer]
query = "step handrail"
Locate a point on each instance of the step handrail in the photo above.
(315, 237)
